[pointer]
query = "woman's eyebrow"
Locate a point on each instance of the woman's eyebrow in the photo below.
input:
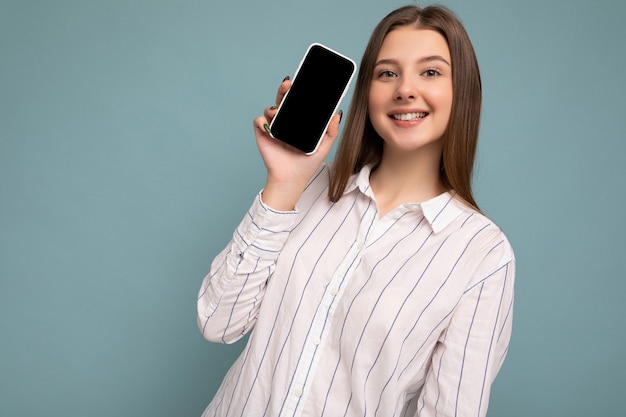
(386, 62)
(429, 58)
(434, 58)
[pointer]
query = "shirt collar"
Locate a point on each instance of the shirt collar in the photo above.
(360, 181)
(439, 211)
(442, 210)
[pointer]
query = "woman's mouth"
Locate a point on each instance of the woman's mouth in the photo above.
(409, 116)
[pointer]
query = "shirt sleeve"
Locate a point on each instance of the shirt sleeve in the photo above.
(231, 293)
(472, 349)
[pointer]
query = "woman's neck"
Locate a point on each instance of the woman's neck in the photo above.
(406, 178)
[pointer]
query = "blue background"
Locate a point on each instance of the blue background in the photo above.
(127, 158)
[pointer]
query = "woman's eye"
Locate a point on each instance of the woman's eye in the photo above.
(431, 73)
(387, 74)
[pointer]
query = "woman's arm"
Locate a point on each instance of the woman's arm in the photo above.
(231, 293)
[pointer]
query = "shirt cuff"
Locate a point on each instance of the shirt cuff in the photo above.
(263, 231)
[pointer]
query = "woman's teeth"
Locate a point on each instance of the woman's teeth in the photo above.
(409, 116)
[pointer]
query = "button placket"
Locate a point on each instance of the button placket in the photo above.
(306, 365)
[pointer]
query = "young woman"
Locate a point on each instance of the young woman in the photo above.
(374, 285)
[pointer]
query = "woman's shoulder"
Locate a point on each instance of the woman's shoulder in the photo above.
(485, 234)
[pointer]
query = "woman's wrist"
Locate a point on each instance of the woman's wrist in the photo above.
(281, 196)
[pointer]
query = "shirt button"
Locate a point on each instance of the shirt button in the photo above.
(297, 392)
(334, 291)
(249, 236)
(317, 341)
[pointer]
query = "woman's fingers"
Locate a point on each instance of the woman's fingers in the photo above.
(282, 90)
(270, 112)
(261, 126)
(333, 126)
(331, 134)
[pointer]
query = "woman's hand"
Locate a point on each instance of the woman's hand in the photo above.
(288, 170)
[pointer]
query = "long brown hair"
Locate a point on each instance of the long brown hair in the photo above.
(361, 145)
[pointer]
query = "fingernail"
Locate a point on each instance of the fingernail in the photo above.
(273, 108)
(340, 115)
(267, 128)
(286, 78)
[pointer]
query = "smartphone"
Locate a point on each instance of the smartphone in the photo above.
(319, 84)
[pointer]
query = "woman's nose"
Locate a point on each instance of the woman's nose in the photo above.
(406, 90)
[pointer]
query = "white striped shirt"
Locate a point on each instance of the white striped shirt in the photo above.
(354, 315)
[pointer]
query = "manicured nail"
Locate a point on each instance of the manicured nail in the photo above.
(267, 128)
(340, 115)
(286, 78)
(273, 108)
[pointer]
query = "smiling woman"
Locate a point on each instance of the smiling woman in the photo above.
(409, 104)
(362, 144)
(372, 286)
(126, 160)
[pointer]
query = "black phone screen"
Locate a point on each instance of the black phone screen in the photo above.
(317, 89)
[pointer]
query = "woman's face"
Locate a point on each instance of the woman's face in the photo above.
(410, 97)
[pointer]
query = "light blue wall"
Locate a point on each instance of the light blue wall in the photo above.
(127, 158)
